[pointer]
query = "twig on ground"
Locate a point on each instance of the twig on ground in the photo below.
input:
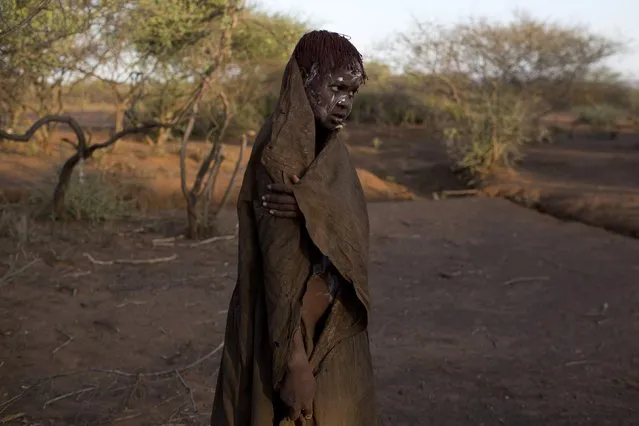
(64, 344)
(213, 240)
(188, 388)
(131, 261)
(133, 231)
(4, 405)
(132, 302)
(580, 362)
(13, 273)
(567, 268)
(448, 275)
(166, 241)
(525, 279)
(165, 372)
(134, 389)
(76, 274)
(67, 395)
(455, 193)
(173, 415)
(127, 417)
(11, 417)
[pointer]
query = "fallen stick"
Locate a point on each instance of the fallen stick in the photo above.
(166, 241)
(212, 240)
(4, 405)
(458, 193)
(127, 417)
(11, 417)
(164, 372)
(525, 279)
(63, 345)
(67, 395)
(188, 388)
(579, 362)
(131, 261)
(11, 274)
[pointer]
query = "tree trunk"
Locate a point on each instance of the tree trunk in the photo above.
(120, 109)
(43, 138)
(163, 136)
(192, 217)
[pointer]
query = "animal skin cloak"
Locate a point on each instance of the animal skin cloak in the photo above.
(275, 265)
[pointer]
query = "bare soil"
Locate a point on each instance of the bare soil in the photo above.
(589, 179)
(485, 313)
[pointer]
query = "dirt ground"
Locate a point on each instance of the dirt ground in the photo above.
(590, 179)
(485, 312)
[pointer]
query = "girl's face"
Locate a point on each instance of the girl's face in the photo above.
(331, 96)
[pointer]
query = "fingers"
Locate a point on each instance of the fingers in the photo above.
(307, 413)
(288, 215)
(280, 187)
(279, 199)
(295, 412)
(307, 409)
(280, 207)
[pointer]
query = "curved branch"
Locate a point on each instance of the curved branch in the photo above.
(64, 119)
(83, 151)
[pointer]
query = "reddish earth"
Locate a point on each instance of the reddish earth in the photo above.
(486, 313)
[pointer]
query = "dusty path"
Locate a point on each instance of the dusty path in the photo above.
(485, 314)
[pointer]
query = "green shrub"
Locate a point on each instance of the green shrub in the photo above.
(488, 134)
(599, 117)
(92, 197)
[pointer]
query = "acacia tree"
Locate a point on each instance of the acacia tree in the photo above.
(114, 61)
(40, 41)
(262, 44)
(495, 80)
(178, 41)
(252, 46)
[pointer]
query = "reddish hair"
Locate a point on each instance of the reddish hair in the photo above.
(327, 51)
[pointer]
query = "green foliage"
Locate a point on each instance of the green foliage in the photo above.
(393, 100)
(387, 107)
(489, 134)
(377, 143)
(265, 39)
(91, 197)
(262, 44)
(600, 117)
(164, 28)
(37, 50)
(495, 80)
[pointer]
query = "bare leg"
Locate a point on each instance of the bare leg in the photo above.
(315, 303)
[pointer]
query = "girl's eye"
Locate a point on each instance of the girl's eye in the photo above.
(335, 88)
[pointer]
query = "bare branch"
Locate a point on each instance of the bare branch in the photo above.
(83, 151)
(238, 167)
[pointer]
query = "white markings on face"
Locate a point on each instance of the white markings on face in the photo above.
(330, 94)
